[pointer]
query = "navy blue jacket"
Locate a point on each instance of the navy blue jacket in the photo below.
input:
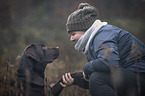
(113, 47)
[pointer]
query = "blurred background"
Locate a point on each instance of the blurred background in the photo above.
(23, 22)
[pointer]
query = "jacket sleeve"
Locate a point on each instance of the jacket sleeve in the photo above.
(104, 49)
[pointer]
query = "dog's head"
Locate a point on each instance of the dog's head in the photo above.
(42, 54)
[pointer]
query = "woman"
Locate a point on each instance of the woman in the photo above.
(116, 58)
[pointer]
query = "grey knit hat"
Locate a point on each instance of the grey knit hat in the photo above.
(82, 18)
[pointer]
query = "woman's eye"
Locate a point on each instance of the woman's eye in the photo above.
(73, 34)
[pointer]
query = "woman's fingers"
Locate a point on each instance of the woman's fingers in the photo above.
(84, 76)
(71, 79)
(64, 80)
(63, 85)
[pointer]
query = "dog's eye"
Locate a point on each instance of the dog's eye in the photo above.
(45, 48)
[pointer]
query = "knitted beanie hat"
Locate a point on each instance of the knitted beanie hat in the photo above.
(82, 18)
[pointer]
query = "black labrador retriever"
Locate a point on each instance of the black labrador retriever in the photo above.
(30, 72)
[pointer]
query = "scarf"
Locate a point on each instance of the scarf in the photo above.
(82, 44)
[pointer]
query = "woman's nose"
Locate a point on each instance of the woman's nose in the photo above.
(71, 39)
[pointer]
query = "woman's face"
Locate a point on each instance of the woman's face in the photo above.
(76, 35)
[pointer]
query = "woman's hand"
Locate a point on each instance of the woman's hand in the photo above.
(67, 80)
(84, 76)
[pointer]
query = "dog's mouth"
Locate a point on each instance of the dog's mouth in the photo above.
(55, 52)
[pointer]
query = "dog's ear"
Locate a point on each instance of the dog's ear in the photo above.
(30, 51)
